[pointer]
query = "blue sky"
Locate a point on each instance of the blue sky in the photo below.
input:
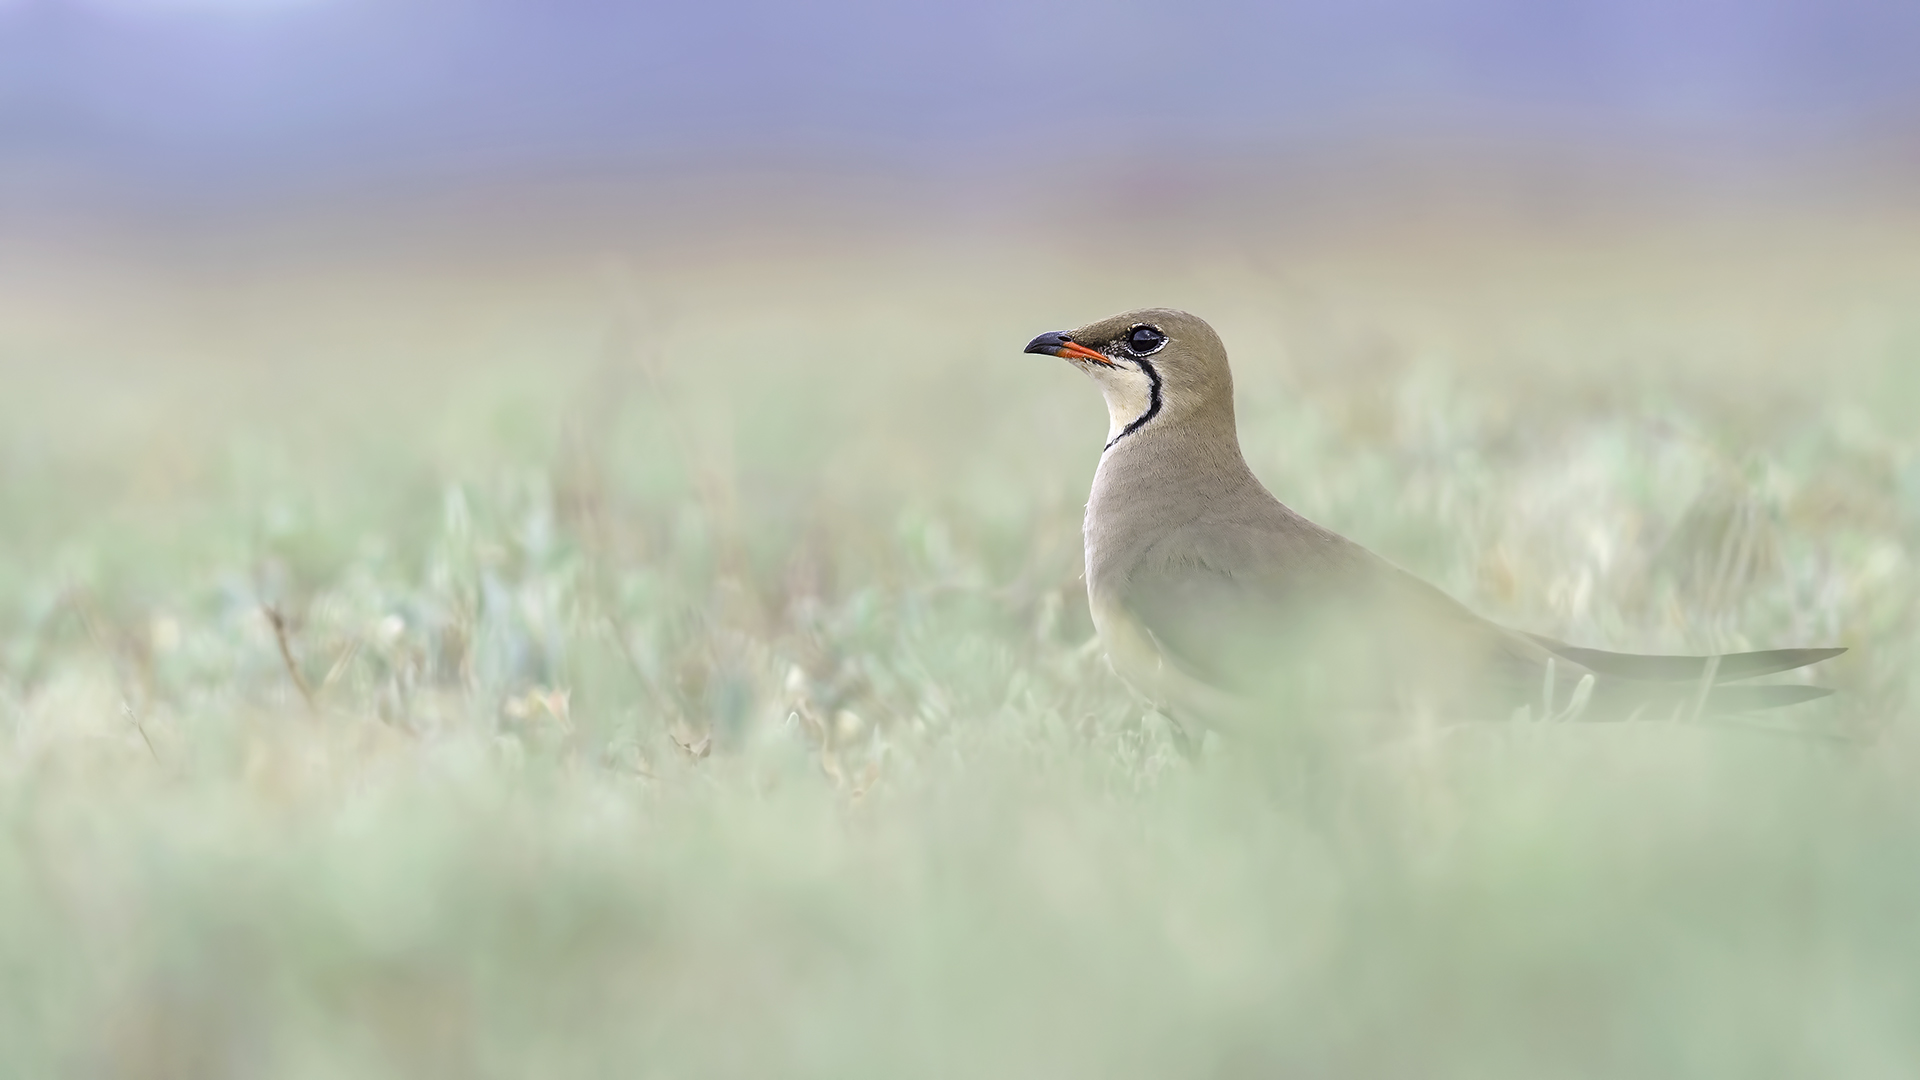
(133, 91)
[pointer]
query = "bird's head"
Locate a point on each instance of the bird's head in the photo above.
(1155, 366)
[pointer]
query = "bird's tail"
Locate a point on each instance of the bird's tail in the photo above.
(1650, 687)
(1733, 667)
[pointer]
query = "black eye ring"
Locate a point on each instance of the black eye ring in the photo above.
(1144, 340)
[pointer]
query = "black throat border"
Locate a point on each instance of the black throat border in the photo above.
(1153, 404)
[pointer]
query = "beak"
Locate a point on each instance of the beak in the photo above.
(1065, 347)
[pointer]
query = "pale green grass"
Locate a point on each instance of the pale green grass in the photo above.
(701, 685)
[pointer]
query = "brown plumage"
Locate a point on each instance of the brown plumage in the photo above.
(1224, 607)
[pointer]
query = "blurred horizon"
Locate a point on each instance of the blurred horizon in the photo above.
(167, 165)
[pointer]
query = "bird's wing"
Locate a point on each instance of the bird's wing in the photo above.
(1238, 606)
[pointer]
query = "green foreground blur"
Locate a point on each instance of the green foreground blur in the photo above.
(595, 665)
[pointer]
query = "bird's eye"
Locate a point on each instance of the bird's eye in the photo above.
(1142, 340)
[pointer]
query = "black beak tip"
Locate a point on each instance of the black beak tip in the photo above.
(1048, 344)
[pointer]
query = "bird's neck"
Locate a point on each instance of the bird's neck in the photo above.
(1157, 440)
(1152, 467)
(1162, 477)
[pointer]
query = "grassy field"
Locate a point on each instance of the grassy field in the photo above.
(669, 660)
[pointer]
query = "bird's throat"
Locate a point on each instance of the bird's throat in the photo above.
(1133, 399)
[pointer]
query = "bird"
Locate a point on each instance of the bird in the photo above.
(1227, 610)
